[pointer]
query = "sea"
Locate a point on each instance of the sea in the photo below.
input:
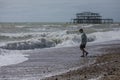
(17, 38)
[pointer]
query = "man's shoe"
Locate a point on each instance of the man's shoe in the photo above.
(82, 56)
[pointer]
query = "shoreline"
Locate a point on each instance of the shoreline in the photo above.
(65, 61)
(106, 67)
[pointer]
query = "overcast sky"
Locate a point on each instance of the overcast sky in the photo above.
(55, 10)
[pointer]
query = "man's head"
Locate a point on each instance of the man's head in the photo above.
(81, 30)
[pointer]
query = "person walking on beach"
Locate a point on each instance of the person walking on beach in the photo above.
(83, 43)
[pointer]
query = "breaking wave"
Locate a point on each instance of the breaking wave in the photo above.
(45, 37)
(29, 44)
(58, 40)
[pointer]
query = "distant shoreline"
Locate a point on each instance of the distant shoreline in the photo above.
(48, 23)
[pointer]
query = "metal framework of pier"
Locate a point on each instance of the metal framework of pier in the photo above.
(90, 18)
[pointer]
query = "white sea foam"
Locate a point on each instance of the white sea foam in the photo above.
(8, 57)
(38, 29)
(34, 34)
(86, 26)
(105, 36)
(20, 26)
